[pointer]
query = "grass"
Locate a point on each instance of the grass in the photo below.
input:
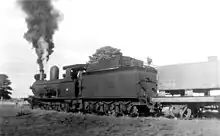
(51, 123)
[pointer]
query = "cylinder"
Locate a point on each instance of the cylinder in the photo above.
(54, 73)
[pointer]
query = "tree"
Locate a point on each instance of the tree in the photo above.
(5, 87)
(105, 52)
(149, 60)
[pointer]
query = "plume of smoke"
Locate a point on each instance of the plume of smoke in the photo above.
(42, 20)
(42, 50)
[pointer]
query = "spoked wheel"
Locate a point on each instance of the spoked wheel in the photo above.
(42, 107)
(218, 106)
(100, 109)
(186, 113)
(182, 111)
(117, 110)
(66, 107)
(112, 111)
(106, 108)
(174, 111)
(134, 111)
(58, 108)
(47, 107)
(88, 109)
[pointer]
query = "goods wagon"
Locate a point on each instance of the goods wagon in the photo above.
(184, 78)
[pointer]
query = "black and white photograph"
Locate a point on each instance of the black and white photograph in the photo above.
(110, 68)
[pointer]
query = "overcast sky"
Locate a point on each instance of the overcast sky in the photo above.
(169, 31)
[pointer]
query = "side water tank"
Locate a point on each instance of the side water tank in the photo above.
(54, 73)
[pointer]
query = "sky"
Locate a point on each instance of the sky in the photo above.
(169, 32)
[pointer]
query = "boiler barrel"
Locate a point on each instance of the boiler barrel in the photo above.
(54, 73)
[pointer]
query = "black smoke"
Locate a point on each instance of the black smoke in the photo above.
(42, 21)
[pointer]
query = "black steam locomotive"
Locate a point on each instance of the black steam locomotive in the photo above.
(119, 86)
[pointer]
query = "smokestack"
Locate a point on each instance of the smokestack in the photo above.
(41, 74)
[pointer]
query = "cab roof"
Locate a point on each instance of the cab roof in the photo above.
(75, 66)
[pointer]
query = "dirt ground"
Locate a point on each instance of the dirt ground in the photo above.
(51, 123)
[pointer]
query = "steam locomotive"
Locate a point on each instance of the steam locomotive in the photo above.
(117, 86)
(125, 86)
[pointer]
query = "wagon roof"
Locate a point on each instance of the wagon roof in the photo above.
(189, 63)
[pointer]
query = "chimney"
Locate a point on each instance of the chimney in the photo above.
(41, 74)
(212, 58)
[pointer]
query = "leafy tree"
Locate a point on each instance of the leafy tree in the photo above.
(149, 60)
(105, 52)
(5, 87)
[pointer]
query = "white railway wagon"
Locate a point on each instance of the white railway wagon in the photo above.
(184, 79)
